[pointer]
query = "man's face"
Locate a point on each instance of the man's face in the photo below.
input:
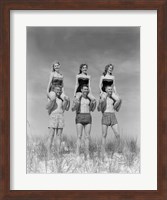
(85, 90)
(109, 90)
(57, 90)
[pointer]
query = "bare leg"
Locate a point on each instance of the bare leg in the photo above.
(50, 140)
(87, 129)
(49, 104)
(118, 101)
(103, 96)
(78, 95)
(58, 139)
(117, 135)
(92, 105)
(104, 135)
(79, 136)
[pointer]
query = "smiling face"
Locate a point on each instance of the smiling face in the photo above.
(56, 67)
(110, 69)
(84, 69)
(57, 91)
(109, 90)
(85, 91)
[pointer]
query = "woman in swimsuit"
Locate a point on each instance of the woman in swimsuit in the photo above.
(107, 79)
(82, 79)
(56, 79)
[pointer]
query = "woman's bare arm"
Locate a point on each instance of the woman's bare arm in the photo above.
(50, 80)
(89, 85)
(76, 85)
(100, 84)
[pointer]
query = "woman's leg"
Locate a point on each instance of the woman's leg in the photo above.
(118, 101)
(78, 95)
(79, 128)
(87, 129)
(91, 97)
(103, 96)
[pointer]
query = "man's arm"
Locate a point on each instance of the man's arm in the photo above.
(66, 104)
(75, 105)
(102, 105)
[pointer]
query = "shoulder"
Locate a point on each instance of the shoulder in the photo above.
(77, 76)
(102, 77)
(61, 75)
(113, 77)
(51, 74)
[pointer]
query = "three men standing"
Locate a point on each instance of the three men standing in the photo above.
(83, 107)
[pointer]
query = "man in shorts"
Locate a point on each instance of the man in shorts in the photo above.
(83, 119)
(56, 108)
(108, 119)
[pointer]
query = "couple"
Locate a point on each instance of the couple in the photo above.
(83, 108)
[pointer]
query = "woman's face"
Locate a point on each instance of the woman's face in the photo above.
(56, 67)
(84, 69)
(110, 69)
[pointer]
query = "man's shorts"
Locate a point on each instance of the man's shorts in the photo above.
(56, 120)
(83, 118)
(109, 119)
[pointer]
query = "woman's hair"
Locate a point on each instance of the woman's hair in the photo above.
(80, 68)
(54, 64)
(106, 68)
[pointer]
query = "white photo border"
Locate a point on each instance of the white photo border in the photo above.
(147, 21)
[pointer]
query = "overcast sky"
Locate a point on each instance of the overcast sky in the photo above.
(96, 46)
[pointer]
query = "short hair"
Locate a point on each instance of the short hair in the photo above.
(107, 87)
(58, 86)
(84, 85)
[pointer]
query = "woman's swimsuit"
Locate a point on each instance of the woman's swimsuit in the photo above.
(82, 81)
(105, 83)
(56, 81)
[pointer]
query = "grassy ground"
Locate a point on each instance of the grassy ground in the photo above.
(67, 162)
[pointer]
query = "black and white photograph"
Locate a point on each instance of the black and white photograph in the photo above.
(83, 100)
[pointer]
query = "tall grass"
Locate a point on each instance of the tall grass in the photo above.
(128, 161)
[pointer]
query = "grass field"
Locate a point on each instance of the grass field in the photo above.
(128, 161)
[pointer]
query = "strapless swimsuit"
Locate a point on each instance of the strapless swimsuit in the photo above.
(82, 81)
(105, 83)
(56, 82)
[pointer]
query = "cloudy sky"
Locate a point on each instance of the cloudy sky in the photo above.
(96, 46)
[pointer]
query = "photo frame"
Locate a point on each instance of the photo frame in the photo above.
(6, 7)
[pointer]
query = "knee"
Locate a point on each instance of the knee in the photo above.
(103, 96)
(117, 135)
(52, 95)
(78, 95)
(79, 136)
(104, 134)
(87, 136)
